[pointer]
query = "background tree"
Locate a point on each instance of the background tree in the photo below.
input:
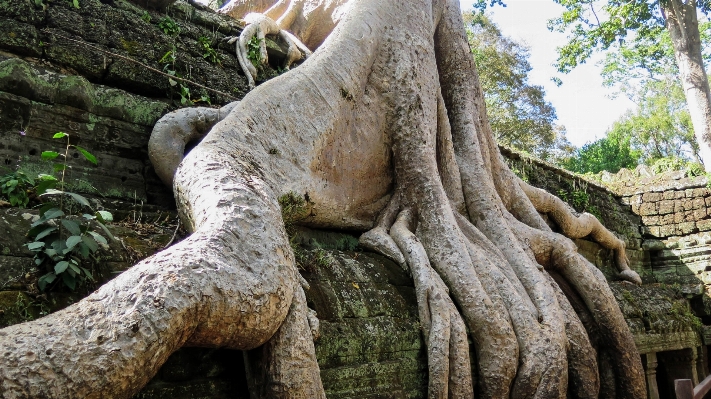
(659, 131)
(519, 114)
(600, 25)
(610, 153)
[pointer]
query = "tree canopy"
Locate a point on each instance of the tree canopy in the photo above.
(519, 114)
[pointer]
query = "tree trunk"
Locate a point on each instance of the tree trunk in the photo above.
(683, 27)
(383, 129)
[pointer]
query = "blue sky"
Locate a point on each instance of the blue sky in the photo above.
(582, 104)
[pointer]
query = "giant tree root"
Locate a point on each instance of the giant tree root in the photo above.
(383, 128)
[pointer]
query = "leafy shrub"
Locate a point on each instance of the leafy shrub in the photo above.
(169, 27)
(62, 243)
(15, 187)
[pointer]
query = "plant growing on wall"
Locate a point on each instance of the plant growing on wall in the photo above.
(61, 243)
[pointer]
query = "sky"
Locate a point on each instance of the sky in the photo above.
(582, 104)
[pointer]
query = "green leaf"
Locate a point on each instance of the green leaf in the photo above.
(78, 198)
(45, 233)
(76, 3)
(74, 268)
(48, 215)
(88, 273)
(45, 185)
(35, 245)
(98, 237)
(58, 167)
(72, 242)
(49, 155)
(90, 244)
(59, 135)
(86, 154)
(71, 226)
(106, 230)
(89, 217)
(46, 207)
(46, 279)
(60, 267)
(69, 281)
(104, 216)
(83, 248)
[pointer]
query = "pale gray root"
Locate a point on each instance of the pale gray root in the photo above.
(581, 226)
(259, 26)
(275, 370)
(379, 240)
(485, 209)
(172, 132)
(583, 375)
(212, 289)
(312, 21)
(560, 254)
(445, 335)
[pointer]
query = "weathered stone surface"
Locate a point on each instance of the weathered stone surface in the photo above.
(130, 31)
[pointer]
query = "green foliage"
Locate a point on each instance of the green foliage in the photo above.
(254, 54)
(16, 187)
(610, 153)
(209, 53)
(146, 17)
(169, 27)
(62, 244)
(519, 114)
(634, 25)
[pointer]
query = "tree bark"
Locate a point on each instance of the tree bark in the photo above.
(683, 26)
(383, 129)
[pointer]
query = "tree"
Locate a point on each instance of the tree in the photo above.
(519, 115)
(383, 129)
(602, 24)
(611, 153)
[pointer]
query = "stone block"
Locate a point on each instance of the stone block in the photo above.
(666, 206)
(666, 219)
(679, 217)
(678, 205)
(708, 201)
(651, 197)
(704, 225)
(667, 231)
(700, 213)
(698, 203)
(648, 208)
(688, 204)
(701, 192)
(679, 194)
(655, 230)
(689, 193)
(650, 220)
(686, 227)
(668, 195)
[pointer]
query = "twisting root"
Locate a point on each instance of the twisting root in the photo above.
(445, 334)
(560, 254)
(581, 226)
(172, 133)
(259, 26)
(583, 376)
(378, 240)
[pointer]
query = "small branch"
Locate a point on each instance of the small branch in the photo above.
(174, 234)
(141, 64)
(592, 8)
